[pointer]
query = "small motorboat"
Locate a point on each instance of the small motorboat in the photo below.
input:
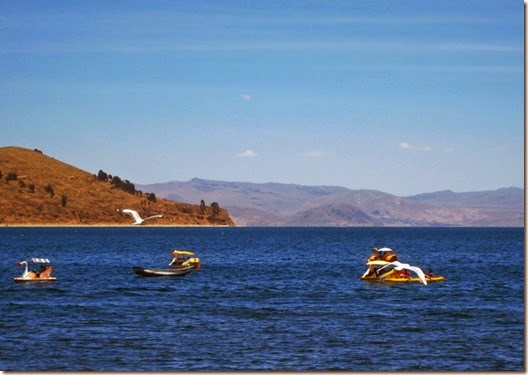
(383, 266)
(43, 274)
(183, 262)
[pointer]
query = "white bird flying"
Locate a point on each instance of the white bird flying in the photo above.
(139, 220)
(400, 266)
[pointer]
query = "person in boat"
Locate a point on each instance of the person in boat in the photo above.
(405, 274)
(381, 271)
(45, 271)
(177, 261)
(429, 274)
(375, 255)
(42, 268)
(389, 257)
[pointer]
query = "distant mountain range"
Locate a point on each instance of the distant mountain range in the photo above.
(38, 190)
(274, 204)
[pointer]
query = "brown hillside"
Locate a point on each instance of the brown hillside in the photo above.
(49, 192)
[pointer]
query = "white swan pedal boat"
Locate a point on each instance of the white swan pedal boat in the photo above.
(383, 266)
(43, 274)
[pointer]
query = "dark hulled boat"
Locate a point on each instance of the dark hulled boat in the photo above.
(153, 272)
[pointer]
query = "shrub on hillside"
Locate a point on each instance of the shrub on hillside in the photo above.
(116, 181)
(216, 208)
(49, 190)
(11, 176)
(123, 185)
(102, 176)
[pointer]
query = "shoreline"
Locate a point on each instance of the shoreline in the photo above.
(222, 226)
(112, 225)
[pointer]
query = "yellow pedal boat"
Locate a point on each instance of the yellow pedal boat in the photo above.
(383, 266)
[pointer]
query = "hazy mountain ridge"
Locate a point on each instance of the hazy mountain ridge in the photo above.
(501, 198)
(274, 204)
(280, 199)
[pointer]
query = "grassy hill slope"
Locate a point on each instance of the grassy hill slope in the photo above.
(49, 192)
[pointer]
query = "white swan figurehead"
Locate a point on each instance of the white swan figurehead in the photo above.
(26, 271)
(137, 218)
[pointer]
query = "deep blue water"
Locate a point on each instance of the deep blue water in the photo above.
(265, 299)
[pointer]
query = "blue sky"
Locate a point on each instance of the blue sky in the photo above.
(405, 97)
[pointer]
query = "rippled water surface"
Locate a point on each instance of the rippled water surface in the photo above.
(265, 299)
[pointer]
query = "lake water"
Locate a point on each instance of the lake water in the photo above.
(265, 299)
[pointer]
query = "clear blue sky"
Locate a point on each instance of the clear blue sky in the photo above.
(405, 97)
